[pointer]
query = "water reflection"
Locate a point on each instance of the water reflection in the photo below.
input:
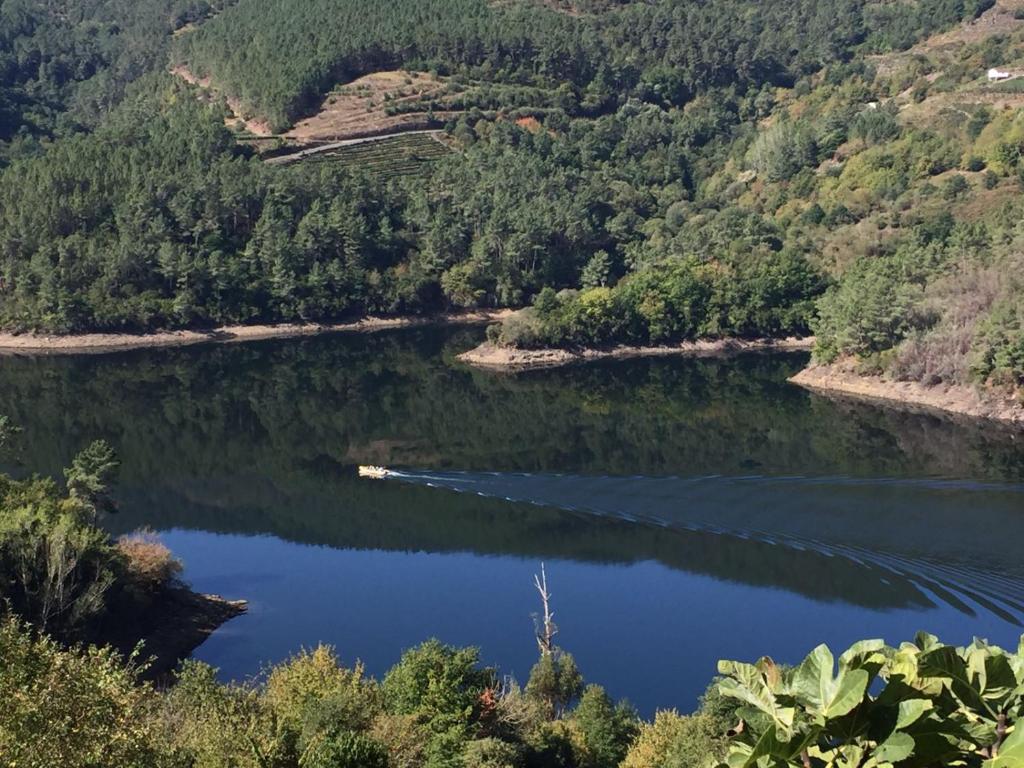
(707, 486)
(900, 530)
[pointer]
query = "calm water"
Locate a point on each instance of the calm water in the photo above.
(687, 510)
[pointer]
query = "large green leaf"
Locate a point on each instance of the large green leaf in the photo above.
(753, 685)
(910, 711)
(899, 746)
(1000, 679)
(814, 686)
(946, 662)
(863, 654)
(1011, 755)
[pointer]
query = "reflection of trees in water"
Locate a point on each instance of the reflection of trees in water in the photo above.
(340, 510)
(398, 398)
(256, 438)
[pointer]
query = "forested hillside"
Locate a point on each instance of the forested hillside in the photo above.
(277, 58)
(63, 65)
(693, 170)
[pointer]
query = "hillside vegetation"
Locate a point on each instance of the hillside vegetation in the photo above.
(893, 183)
(63, 65)
(277, 58)
(632, 172)
(923, 703)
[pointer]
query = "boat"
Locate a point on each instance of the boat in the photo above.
(377, 473)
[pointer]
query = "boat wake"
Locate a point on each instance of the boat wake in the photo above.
(910, 529)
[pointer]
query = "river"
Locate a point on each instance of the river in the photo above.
(686, 510)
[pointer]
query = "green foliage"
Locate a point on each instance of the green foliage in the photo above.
(55, 565)
(442, 687)
(556, 680)
(345, 750)
(61, 72)
(492, 753)
(597, 271)
(306, 48)
(782, 150)
(677, 741)
(769, 294)
(624, 205)
(876, 125)
(607, 728)
(8, 436)
(90, 475)
(202, 722)
(77, 708)
(923, 703)
(872, 309)
(955, 187)
(59, 571)
(1000, 343)
(314, 699)
(896, 27)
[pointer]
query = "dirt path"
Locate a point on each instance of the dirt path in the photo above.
(304, 153)
(255, 127)
(36, 344)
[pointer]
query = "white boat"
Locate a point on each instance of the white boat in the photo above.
(378, 473)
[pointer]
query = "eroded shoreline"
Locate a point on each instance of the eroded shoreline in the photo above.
(98, 343)
(949, 399)
(488, 355)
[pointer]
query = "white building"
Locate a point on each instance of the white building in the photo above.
(997, 74)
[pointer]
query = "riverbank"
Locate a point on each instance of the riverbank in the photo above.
(488, 355)
(953, 399)
(97, 343)
(172, 628)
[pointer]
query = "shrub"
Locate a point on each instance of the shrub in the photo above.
(955, 187)
(923, 703)
(522, 329)
(676, 741)
(876, 125)
(782, 150)
(344, 750)
(74, 709)
(55, 566)
(607, 729)
(492, 753)
(597, 271)
(149, 564)
(556, 681)
(872, 308)
(89, 477)
(204, 723)
(944, 353)
(518, 716)
(313, 695)
(439, 684)
(1000, 343)
(403, 737)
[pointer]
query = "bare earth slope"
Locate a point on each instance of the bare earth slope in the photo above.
(962, 400)
(488, 355)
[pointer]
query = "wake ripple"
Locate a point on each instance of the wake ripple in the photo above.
(930, 532)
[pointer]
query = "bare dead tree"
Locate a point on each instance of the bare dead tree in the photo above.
(547, 630)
